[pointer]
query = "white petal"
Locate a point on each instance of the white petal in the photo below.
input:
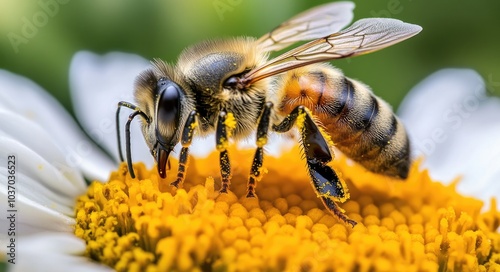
(37, 192)
(31, 216)
(22, 96)
(428, 105)
(53, 252)
(98, 83)
(44, 197)
(201, 146)
(37, 157)
(276, 144)
(455, 125)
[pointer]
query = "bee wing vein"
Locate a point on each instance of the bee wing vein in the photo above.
(364, 36)
(312, 24)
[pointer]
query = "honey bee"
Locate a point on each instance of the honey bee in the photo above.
(231, 88)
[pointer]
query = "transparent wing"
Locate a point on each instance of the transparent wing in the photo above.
(362, 37)
(311, 24)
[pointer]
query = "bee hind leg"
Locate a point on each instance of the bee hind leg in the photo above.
(186, 139)
(339, 212)
(317, 152)
(262, 129)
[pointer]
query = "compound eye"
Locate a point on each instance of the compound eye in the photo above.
(231, 82)
(236, 81)
(169, 107)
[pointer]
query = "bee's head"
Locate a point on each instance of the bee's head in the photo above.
(167, 122)
(167, 105)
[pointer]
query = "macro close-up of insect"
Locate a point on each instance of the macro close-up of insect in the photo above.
(232, 135)
(233, 89)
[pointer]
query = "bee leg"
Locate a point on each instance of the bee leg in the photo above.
(317, 152)
(221, 140)
(258, 159)
(186, 139)
(136, 112)
(339, 212)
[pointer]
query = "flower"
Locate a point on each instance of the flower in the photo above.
(419, 224)
(457, 130)
(50, 154)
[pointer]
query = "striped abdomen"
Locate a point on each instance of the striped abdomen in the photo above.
(360, 124)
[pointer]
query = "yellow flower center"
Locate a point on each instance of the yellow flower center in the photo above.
(418, 225)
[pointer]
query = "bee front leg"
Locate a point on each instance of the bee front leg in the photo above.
(222, 133)
(258, 159)
(317, 152)
(186, 139)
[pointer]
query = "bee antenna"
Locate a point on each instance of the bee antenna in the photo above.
(136, 112)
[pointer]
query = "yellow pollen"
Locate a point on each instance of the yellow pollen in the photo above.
(194, 125)
(301, 118)
(230, 123)
(145, 224)
(262, 141)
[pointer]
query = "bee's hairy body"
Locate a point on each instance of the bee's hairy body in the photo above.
(201, 69)
(360, 124)
(231, 89)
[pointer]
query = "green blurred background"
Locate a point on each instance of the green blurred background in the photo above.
(456, 34)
